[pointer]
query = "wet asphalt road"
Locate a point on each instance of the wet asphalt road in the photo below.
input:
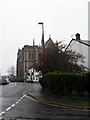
(16, 106)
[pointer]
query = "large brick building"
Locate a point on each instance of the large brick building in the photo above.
(28, 56)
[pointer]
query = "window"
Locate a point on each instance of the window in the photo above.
(32, 56)
(29, 56)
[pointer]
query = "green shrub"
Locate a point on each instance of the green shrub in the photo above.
(66, 83)
(88, 82)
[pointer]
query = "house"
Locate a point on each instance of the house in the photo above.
(82, 47)
(33, 75)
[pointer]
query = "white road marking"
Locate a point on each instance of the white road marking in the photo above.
(16, 103)
(13, 105)
(8, 108)
(19, 100)
(22, 97)
(2, 113)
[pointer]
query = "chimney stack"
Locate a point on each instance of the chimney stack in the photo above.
(77, 36)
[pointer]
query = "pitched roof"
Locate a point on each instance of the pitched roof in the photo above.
(84, 42)
(49, 43)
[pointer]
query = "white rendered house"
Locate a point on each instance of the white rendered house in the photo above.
(82, 47)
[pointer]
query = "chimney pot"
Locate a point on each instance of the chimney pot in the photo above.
(77, 36)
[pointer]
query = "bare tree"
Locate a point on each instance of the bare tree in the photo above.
(11, 71)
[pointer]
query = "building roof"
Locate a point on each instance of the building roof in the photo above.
(35, 66)
(84, 42)
(87, 42)
(49, 43)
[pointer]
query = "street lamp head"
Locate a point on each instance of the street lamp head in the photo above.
(40, 23)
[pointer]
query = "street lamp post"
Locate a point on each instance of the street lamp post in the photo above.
(42, 41)
(41, 23)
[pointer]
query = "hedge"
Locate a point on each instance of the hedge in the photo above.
(66, 83)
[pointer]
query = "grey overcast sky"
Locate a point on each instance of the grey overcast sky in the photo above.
(19, 24)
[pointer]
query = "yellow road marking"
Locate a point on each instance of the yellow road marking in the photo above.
(54, 105)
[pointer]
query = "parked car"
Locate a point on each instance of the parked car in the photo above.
(4, 82)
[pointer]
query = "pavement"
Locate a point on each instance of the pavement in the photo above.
(37, 94)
